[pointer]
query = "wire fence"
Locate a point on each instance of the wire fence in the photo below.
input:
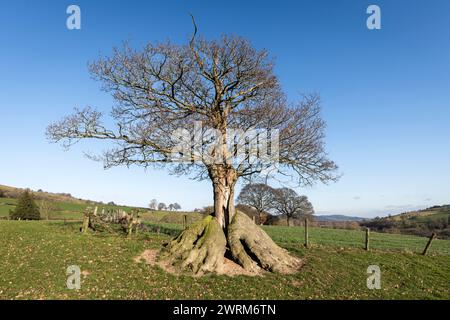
(338, 238)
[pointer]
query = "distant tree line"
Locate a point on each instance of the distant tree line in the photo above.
(269, 204)
(155, 205)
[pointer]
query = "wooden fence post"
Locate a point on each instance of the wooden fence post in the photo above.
(131, 222)
(367, 239)
(306, 234)
(86, 220)
(184, 222)
(136, 230)
(433, 235)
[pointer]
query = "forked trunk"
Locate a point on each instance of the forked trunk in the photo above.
(223, 180)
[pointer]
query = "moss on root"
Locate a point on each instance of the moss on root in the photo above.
(200, 248)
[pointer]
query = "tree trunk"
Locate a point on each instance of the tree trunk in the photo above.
(223, 180)
(201, 247)
(288, 221)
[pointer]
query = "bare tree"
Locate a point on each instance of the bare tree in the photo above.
(223, 85)
(162, 206)
(46, 208)
(288, 203)
(259, 196)
(153, 204)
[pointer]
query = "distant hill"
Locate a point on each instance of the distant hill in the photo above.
(13, 193)
(429, 214)
(71, 208)
(421, 222)
(338, 218)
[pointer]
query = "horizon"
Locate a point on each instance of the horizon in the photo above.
(351, 215)
(385, 95)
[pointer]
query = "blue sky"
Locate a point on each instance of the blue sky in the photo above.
(386, 93)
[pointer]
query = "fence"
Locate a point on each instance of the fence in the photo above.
(310, 237)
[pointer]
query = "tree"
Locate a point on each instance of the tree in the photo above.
(251, 212)
(206, 109)
(259, 196)
(291, 205)
(26, 208)
(162, 206)
(153, 204)
(176, 206)
(46, 208)
(171, 208)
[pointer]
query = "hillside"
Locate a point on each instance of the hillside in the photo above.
(13, 193)
(67, 207)
(337, 218)
(70, 208)
(421, 222)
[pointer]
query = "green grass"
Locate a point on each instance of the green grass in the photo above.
(35, 256)
(6, 205)
(64, 210)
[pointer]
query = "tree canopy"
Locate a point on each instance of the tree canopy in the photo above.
(288, 203)
(212, 109)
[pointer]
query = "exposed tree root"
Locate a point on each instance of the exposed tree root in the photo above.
(252, 248)
(200, 248)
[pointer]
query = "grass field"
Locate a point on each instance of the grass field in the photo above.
(35, 256)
